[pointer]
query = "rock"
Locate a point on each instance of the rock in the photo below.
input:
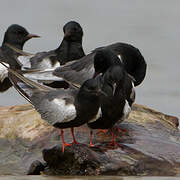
(150, 145)
(36, 168)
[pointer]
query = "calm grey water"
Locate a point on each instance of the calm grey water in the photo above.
(152, 26)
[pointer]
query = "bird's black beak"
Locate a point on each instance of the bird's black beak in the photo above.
(29, 36)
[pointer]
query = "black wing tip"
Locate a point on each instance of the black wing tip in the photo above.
(5, 85)
(15, 80)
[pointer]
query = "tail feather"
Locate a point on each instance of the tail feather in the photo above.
(19, 86)
(5, 85)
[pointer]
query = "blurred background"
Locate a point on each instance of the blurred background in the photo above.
(152, 26)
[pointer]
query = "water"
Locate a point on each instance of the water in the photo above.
(152, 26)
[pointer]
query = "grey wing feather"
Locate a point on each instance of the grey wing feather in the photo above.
(42, 76)
(76, 72)
(55, 106)
(24, 86)
(42, 60)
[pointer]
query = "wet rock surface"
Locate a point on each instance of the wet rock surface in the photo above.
(150, 145)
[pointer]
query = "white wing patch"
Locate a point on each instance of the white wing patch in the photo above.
(43, 76)
(3, 72)
(63, 113)
(46, 64)
(56, 65)
(98, 115)
(119, 56)
(133, 84)
(24, 60)
(127, 110)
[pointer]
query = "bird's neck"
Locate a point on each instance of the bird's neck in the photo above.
(68, 51)
(16, 45)
(66, 44)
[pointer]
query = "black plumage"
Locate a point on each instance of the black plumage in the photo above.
(16, 36)
(61, 108)
(69, 49)
(78, 71)
(71, 46)
(114, 107)
(131, 57)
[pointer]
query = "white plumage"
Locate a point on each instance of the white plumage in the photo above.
(3, 72)
(67, 112)
(126, 110)
(98, 115)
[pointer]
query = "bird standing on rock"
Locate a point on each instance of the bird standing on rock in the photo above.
(117, 84)
(16, 36)
(90, 66)
(64, 108)
(114, 107)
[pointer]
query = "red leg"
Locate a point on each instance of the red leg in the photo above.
(91, 144)
(116, 128)
(113, 142)
(64, 143)
(74, 139)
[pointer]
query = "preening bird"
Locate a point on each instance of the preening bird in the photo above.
(114, 106)
(97, 61)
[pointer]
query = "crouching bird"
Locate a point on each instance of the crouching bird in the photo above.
(63, 108)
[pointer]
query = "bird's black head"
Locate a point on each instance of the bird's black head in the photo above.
(93, 86)
(103, 59)
(17, 35)
(114, 74)
(73, 32)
